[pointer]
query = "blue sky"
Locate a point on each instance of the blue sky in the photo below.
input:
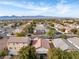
(60, 8)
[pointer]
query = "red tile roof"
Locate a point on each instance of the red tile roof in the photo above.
(41, 43)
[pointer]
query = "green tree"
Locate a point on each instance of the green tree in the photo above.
(74, 31)
(29, 28)
(74, 54)
(55, 53)
(3, 53)
(63, 36)
(21, 34)
(51, 33)
(77, 33)
(63, 30)
(28, 52)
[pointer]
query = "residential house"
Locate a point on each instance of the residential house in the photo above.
(67, 30)
(14, 44)
(59, 26)
(17, 30)
(40, 29)
(74, 41)
(42, 46)
(59, 43)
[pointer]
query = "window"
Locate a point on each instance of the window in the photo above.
(23, 43)
(10, 47)
(17, 43)
(13, 43)
(23, 46)
(15, 47)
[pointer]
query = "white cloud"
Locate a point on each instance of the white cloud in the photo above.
(63, 1)
(29, 5)
(60, 9)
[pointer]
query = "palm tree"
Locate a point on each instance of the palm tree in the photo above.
(28, 52)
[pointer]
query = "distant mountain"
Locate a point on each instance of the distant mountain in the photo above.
(24, 17)
(13, 17)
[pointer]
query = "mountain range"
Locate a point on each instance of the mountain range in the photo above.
(24, 17)
(13, 17)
